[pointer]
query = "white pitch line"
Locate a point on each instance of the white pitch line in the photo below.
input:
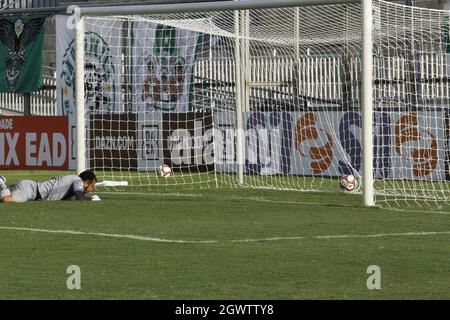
(261, 199)
(257, 199)
(270, 239)
(349, 236)
(109, 235)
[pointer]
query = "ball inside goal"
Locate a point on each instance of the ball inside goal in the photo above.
(164, 171)
(348, 183)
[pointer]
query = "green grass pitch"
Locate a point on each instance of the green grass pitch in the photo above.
(238, 244)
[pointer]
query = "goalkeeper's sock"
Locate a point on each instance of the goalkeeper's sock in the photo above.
(3, 183)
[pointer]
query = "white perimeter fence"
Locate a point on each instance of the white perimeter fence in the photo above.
(317, 78)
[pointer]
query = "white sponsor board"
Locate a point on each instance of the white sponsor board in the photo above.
(150, 141)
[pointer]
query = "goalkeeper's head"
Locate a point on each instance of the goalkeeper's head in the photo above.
(89, 180)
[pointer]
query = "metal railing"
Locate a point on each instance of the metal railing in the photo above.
(42, 102)
(322, 79)
(319, 79)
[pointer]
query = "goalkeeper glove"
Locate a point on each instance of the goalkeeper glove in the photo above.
(95, 198)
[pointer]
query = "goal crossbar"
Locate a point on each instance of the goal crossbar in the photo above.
(204, 6)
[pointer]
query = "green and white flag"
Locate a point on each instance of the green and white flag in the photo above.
(102, 65)
(163, 65)
(21, 40)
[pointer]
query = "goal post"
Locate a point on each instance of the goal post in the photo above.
(367, 102)
(79, 95)
(240, 99)
(280, 94)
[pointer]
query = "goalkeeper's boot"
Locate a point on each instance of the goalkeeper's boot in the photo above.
(2, 182)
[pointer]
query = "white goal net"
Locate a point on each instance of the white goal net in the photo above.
(269, 98)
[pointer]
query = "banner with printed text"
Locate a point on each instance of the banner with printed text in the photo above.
(407, 145)
(34, 143)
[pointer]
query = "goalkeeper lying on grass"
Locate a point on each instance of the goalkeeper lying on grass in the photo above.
(57, 188)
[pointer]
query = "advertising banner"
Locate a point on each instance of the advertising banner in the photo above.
(34, 143)
(188, 141)
(321, 143)
(145, 141)
(328, 143)
(113, 142)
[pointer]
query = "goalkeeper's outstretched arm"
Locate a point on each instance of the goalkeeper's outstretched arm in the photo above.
(81, 196)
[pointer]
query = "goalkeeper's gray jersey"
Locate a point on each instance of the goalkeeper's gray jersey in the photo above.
(60, 188)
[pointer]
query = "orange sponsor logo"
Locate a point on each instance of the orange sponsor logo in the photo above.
(407, 131)
(322, 155)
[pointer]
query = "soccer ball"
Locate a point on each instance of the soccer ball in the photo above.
(349, 183)
(164, 171)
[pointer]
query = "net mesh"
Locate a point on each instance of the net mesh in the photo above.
(176, 82)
